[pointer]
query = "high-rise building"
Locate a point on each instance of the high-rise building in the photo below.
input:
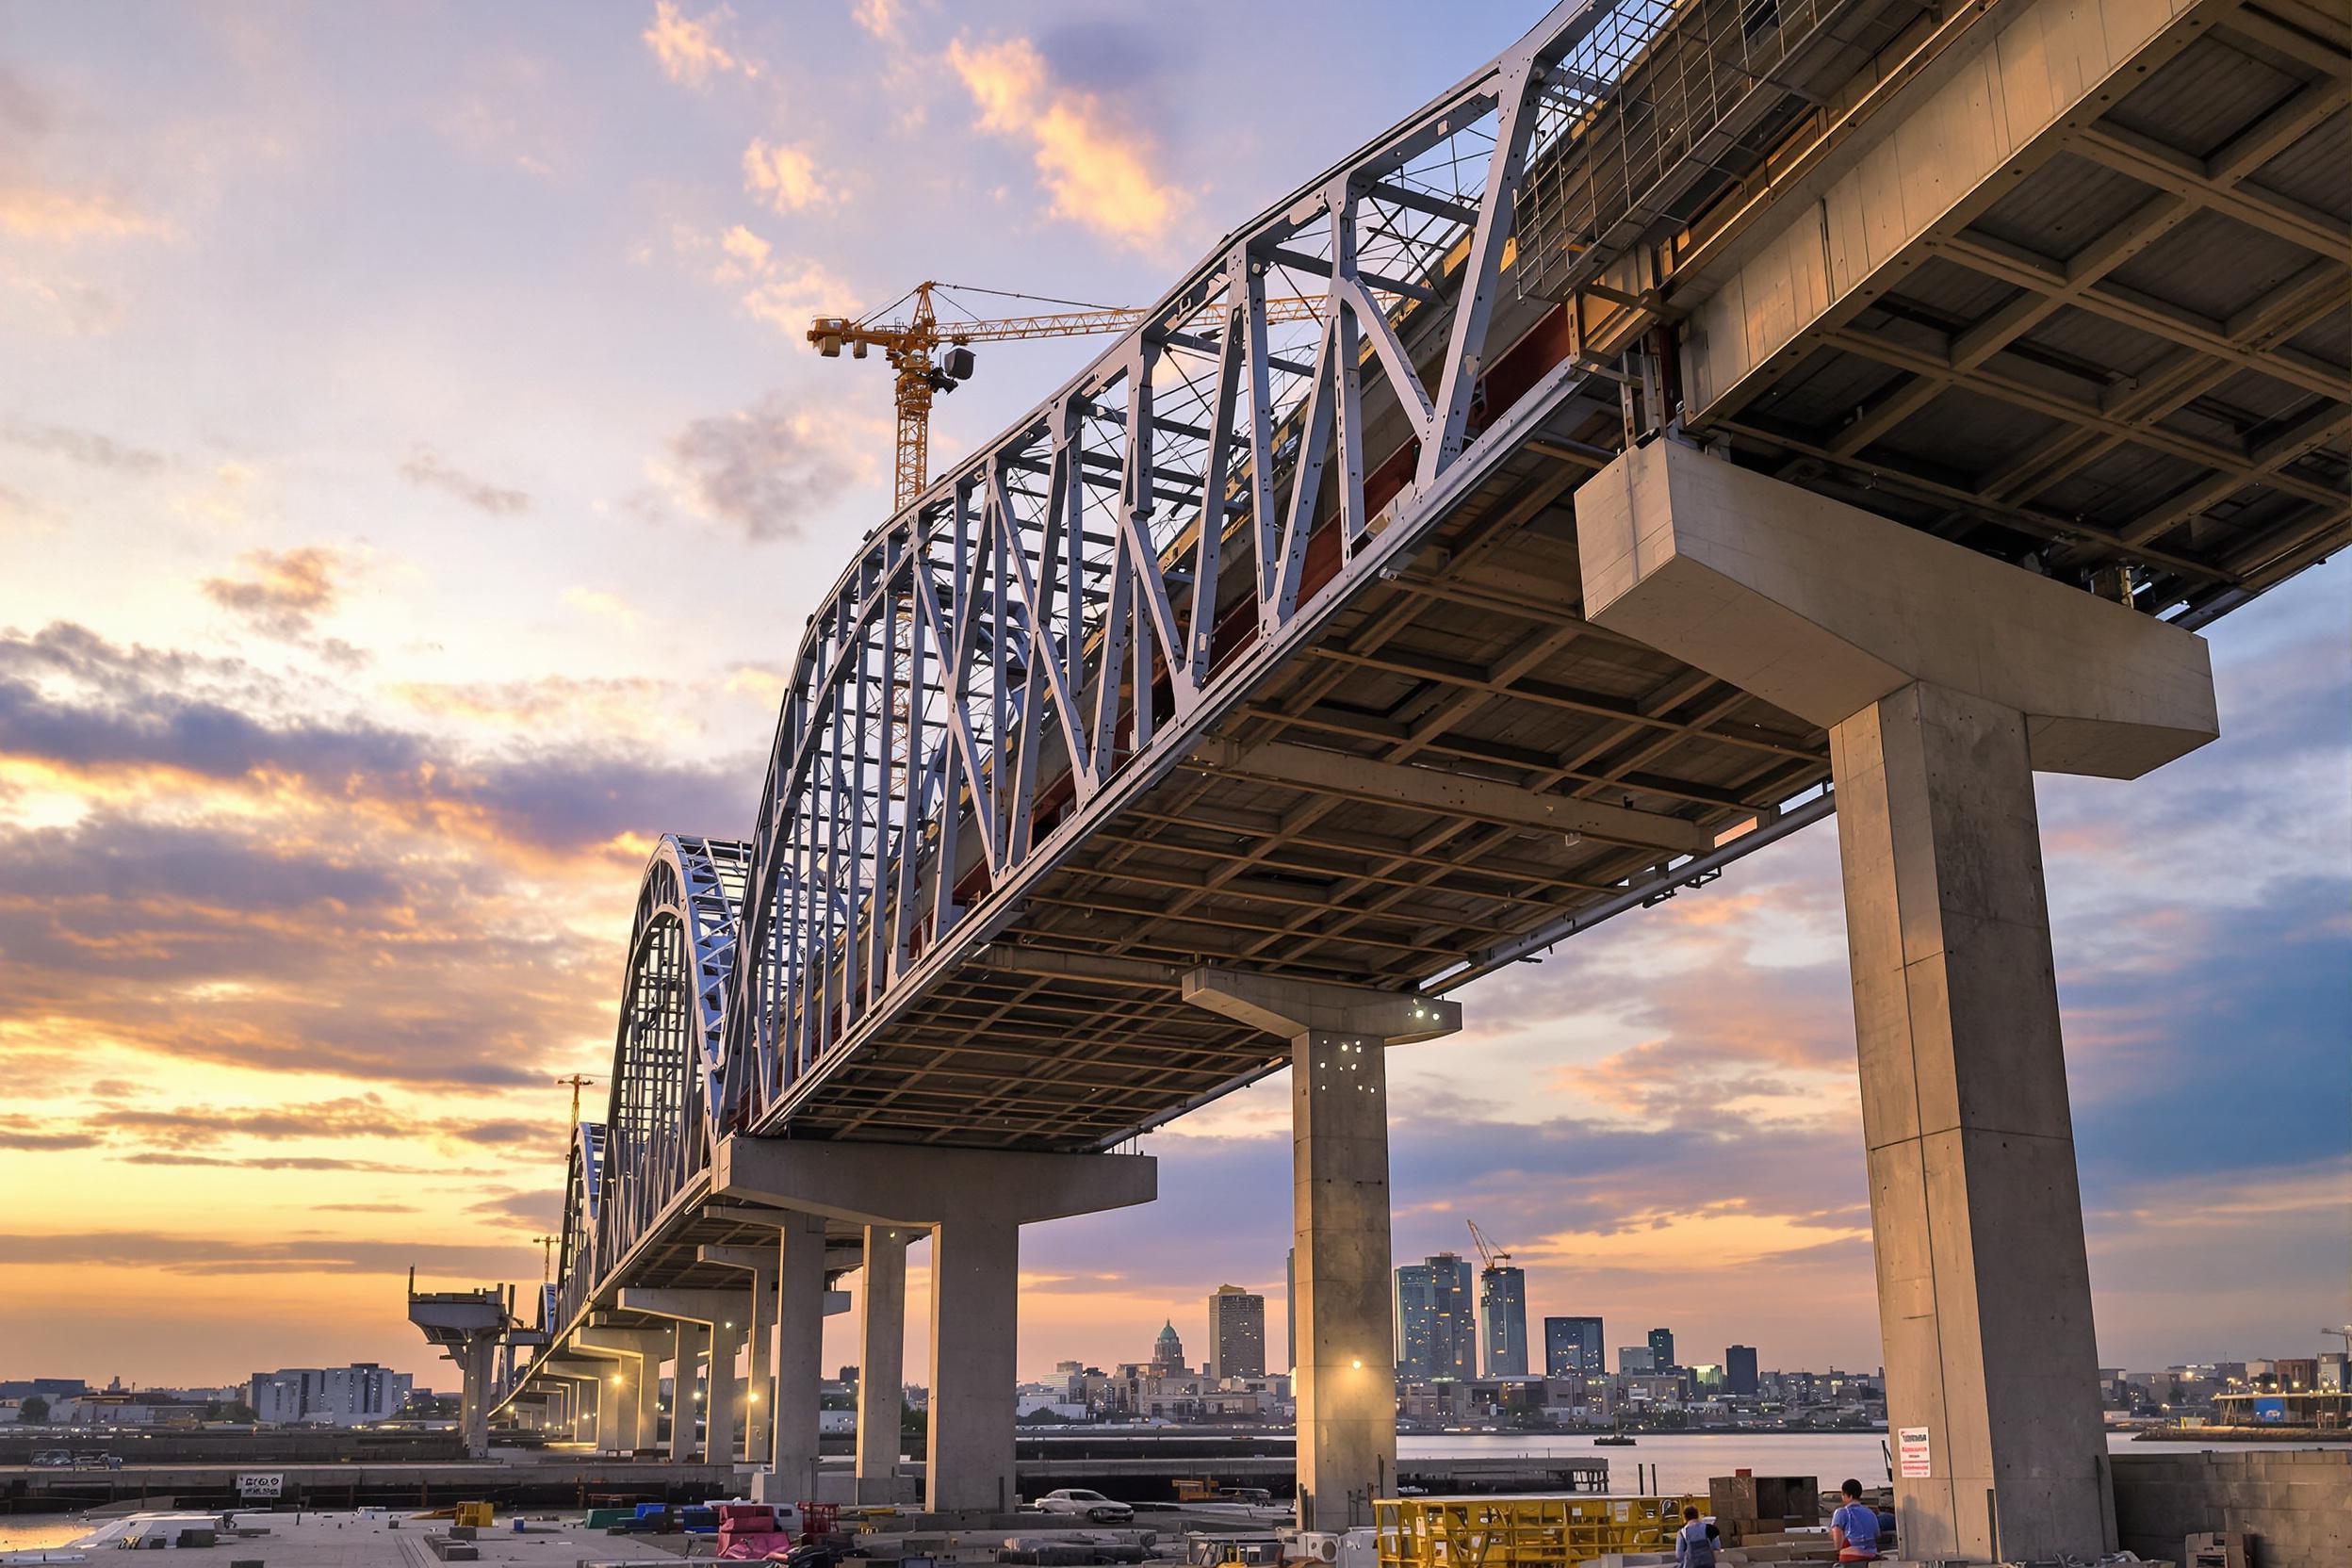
(1237, 1333)
(1636, 1361)
(1437, 1333)
(1662, 1351)
(1167, 1353)
(1572, 1349)
(1740, 1369)
(1503, 1319)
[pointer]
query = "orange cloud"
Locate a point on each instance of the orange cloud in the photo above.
(37, 212)
(1099, 172)
(284, 592)
(882, 18)
(687, 48)
(785, 177)
(785, 293)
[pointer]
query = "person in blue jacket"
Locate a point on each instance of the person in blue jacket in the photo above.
(1854, 1528)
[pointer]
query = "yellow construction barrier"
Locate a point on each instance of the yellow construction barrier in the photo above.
(479, 1515)
(1522, 1532)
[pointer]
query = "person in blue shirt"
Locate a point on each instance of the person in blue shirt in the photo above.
(1694, 1543)
(1854, 1528)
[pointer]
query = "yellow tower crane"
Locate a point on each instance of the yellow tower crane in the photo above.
(932, 356)
(1493, 1256)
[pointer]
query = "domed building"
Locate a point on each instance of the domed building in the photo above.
(1167, 1353)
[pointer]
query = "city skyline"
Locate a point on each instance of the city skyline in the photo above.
(339, 703)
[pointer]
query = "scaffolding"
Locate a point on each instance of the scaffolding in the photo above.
(1522, 1532)
(1663, 104)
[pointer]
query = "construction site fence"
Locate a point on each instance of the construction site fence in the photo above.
(1522, 1532)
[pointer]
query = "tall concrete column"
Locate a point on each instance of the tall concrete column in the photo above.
(975, 1310)
(759, 1400)
(662, 1343)
(1346, 1380)
(797, 1354)
(615, 1411)
(975, 1201)
(475, 1356)
(693, 1345)
(1984, 1287)
(1944, 679)
(881, 1362)
(722, 1388)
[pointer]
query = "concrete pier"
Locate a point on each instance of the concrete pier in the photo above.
(724, 1319)
(636, 1356)
(1346, 1375)
(1945, 678)
(973, 1203)
(467, 1325)
(758, 1402)
(881, 1360)
(798, 1356)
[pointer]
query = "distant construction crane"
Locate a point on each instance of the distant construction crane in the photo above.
(932, 357)
(1493, 1256)
(576, 1083)
(547, 1258)
(2344, 1333)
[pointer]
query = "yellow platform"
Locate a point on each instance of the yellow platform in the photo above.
(1522, 1532)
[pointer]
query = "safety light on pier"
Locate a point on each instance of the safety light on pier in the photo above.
(1357, 1364)
(617, 1379)
(753, 1396)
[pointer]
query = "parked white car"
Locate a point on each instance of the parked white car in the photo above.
(1093, 1505)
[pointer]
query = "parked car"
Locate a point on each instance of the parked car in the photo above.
(1093, 1505)
(54, 1459)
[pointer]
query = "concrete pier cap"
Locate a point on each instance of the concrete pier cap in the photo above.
(973, 1203)
(887, 1184)
(1823, 609)
(1289, 1007)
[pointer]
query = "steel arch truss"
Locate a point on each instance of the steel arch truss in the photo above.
(670, 1064)
(1042, 629)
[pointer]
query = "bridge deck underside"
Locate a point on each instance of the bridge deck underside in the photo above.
(2135, 351)
(1473, 664)
(2135, 348)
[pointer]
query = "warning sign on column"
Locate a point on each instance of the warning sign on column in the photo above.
(1911, 1453)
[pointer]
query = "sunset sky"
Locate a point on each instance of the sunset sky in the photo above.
(413, 483)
